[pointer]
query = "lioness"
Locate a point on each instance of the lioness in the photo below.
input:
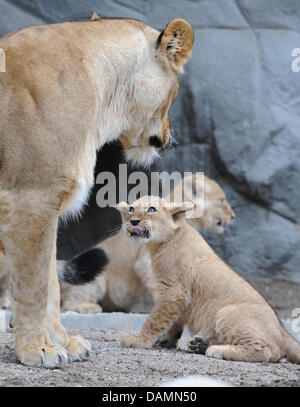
(227, 316)
(67, 90)
(129, 275)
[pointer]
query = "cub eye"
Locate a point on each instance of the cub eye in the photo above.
(131, 209)
(152, 210)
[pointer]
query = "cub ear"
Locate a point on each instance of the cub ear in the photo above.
(178, 212)
(175, 43)
(95, 17)
(122, 207)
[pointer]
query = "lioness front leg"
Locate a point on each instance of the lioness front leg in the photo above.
(77, 347)
(28, 229)
(165, 312)
(4, 280)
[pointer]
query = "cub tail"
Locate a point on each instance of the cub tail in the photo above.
(291, 348)
(83, 268)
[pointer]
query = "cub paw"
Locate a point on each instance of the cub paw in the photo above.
(215, 352)
(50, 356)
(135, 341)
(83, 308)
(167, 342)
(198, 345)
(78, 348)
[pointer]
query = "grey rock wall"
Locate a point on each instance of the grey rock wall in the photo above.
(237, 115)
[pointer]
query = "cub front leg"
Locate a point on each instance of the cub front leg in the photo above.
(144, 269)
(165, 312)
(28, 230)
(171, 337)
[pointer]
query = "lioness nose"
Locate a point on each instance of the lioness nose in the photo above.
(155, 142)
(135, 222)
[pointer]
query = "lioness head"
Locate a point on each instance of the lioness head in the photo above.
(153, 218)
(155, 88)
(217, 212)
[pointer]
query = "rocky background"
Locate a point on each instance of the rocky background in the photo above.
(237, 118)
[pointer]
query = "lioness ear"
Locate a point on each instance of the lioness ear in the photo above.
(95, 17)
(178, 212)
(176, 42)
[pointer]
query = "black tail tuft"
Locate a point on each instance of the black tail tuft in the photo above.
(83, 268)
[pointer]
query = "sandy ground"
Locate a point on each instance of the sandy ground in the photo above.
(110, 365)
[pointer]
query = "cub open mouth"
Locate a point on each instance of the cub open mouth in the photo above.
(137, 231)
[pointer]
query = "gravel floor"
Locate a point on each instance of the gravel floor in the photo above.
(110, 365)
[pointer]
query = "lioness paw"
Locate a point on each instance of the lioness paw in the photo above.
(135, 341)
(52, 356)
(78, 348)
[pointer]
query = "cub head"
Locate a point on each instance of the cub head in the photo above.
(152, 218)
(155, 88)
(217, 212)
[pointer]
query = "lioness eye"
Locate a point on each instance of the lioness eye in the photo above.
(131, 209)
(152, 210)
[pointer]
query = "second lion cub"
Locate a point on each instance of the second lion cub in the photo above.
(227, 316)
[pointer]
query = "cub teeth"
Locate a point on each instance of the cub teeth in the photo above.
(145, 234)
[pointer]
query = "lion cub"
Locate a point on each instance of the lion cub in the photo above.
(129, 277)
(227, 316)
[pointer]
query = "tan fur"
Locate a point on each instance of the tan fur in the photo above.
(129, 276)
(196, 288)
(68, 89)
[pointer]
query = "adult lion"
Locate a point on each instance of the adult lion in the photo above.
(68, 89)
